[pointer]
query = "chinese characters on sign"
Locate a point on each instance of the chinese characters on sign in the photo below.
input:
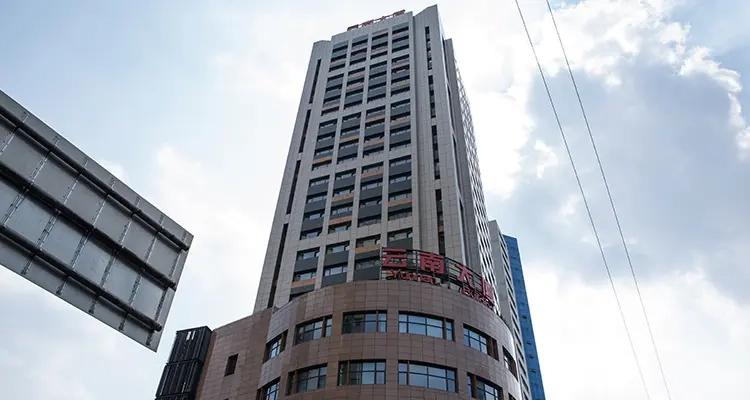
(372, 21)
(424, 267)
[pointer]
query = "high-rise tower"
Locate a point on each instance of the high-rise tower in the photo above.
(378, 279)
(524, 313)
(383, 150)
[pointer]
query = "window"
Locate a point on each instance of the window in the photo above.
(479, 388)
(319, 181)
(334, 270)
(400, 195)
(231, 365)
(372, 168)
(351, 117)
(400, 146)
(307, 379)
(372, 152)
(348, 145)
(324, 137)
(341, 210)
(270, 391)
(426, 325)
(346, 174)
(275, 346)
(400, 161)
(398, 60)
(313, 215)
(426, 375)
(367, 322)
(337, 248)
(375, 111)
(346, 158)
(400, 178)
(374, 138)
(371, 185)
(342, 191)
(402, 102)
(331, 122)
(510, 363)
(368, 241)
(370, 202)
(304, 275)
(480, 341)
(369, 221)
(312, 330)
(312, 233)
(392, 216)
(316, 197)
(400, 235)
(326, 151)
(340, 227)
(362, 372)
(307, 254)
(367, 263)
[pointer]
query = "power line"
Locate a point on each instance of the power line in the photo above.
(611, 203)
(583, 196)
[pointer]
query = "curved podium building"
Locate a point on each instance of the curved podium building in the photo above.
(378, 280)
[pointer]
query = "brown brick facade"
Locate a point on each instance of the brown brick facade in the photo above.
(248, 337)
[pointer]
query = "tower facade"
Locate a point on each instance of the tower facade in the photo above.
(524, 313)
(382, 153)
(378, 280)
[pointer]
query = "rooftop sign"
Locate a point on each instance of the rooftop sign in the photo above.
(372, 21)
(434, 269)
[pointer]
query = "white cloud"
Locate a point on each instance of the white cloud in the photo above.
(221, 183)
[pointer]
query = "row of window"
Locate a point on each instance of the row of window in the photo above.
(410, 323)
(376, 85)
(359, 52)
(344, 246)
(372, 372)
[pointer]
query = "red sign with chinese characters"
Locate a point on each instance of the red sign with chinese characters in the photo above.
(372, 21)
(434, 269)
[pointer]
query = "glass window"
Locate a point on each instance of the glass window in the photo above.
(317, 197)
(337, 248)
(346, 174)
(400, 195)
(399, 235)
(335, 269)
(399, 214)
(371, 185)
(400, 161)
(307, 379)
(372, 168)
(343, 191)
(368, 241)
(313, 215)
(341, 209)
(312, 330)
(419, 324)
(275, 346)
(340, 227)
(367, 263)
(401, 178)
(231, 365)
(479, 388)
(304, 275)
(365, 322)
(362, 372)
(307, 254)
(370, 202)
(427, 376)
(319, 181)
(478, 340)
(368, 221)
(313, 233)
(270, 391)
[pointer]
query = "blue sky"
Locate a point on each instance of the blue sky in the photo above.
(187, 99)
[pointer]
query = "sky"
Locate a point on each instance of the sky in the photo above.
(192, 103)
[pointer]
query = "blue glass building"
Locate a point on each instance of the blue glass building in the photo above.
(527, 328)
